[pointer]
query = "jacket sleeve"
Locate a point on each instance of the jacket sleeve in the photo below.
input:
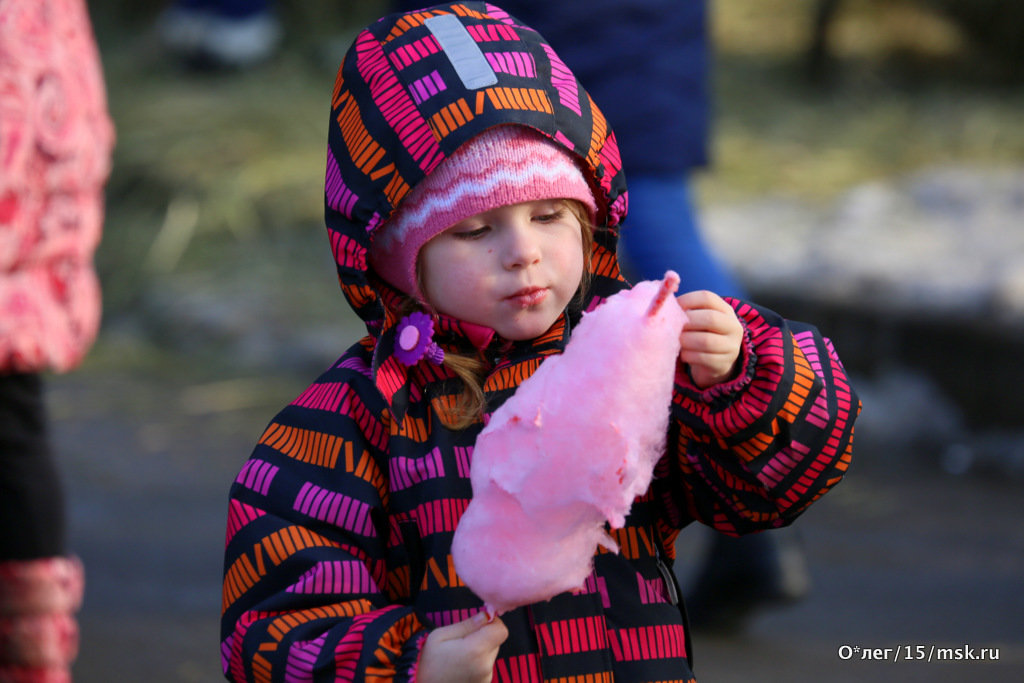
(306, 578)
(755, 452)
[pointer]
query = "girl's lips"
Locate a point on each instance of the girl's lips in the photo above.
(530, 296)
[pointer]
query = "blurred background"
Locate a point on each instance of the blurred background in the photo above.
(867, 176)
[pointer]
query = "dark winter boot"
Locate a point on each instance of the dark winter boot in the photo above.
(743, 575)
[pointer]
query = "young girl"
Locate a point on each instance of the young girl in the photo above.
(473, 195)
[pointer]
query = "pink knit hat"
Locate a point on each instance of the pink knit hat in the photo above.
(505, 165)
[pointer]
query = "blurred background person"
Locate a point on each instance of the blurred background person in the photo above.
(220, 33)
(55, 147)
(648, 67)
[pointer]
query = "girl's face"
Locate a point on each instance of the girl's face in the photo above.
(513, 269)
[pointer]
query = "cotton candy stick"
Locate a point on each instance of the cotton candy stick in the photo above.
(570, 451)
(668, 287)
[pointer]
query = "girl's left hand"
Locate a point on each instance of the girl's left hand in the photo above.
(711, 339)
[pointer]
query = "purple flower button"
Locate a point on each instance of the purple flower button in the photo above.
(414, 340)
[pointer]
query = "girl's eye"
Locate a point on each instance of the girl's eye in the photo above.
(472, 234)
(550, 217)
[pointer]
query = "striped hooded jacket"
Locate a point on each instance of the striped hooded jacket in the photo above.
(340, 524)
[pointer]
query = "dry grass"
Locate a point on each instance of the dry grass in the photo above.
(908, 91)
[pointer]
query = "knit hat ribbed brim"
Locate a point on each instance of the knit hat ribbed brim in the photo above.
(502, 166)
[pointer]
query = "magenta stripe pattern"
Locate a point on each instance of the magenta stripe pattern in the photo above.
(257, 475)
(426, 87)
(564, 82)
(339, 197)
(396, 104)
(514, 63)
(406, 472)
(336, 576)
(336, 508)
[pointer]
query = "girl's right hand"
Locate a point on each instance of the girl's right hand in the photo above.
(463, 652)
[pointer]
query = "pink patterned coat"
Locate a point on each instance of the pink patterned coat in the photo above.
(55, 145)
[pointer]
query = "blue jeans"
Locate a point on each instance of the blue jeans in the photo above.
(661, 233)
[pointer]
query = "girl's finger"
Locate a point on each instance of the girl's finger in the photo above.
(705, 342)
(704, 319)
(701, 298)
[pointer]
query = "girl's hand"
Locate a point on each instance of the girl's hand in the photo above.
(711, 338)
(463, 652)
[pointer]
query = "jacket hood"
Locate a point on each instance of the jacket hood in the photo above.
(413, 88)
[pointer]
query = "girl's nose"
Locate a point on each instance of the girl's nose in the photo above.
(523, 247)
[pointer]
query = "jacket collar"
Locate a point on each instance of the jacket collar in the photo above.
(401, 385)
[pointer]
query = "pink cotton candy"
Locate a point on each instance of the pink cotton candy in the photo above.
(570, 451)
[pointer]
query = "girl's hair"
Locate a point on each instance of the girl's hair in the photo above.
(469, 368)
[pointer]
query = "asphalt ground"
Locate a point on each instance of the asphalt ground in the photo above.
(914, 571)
